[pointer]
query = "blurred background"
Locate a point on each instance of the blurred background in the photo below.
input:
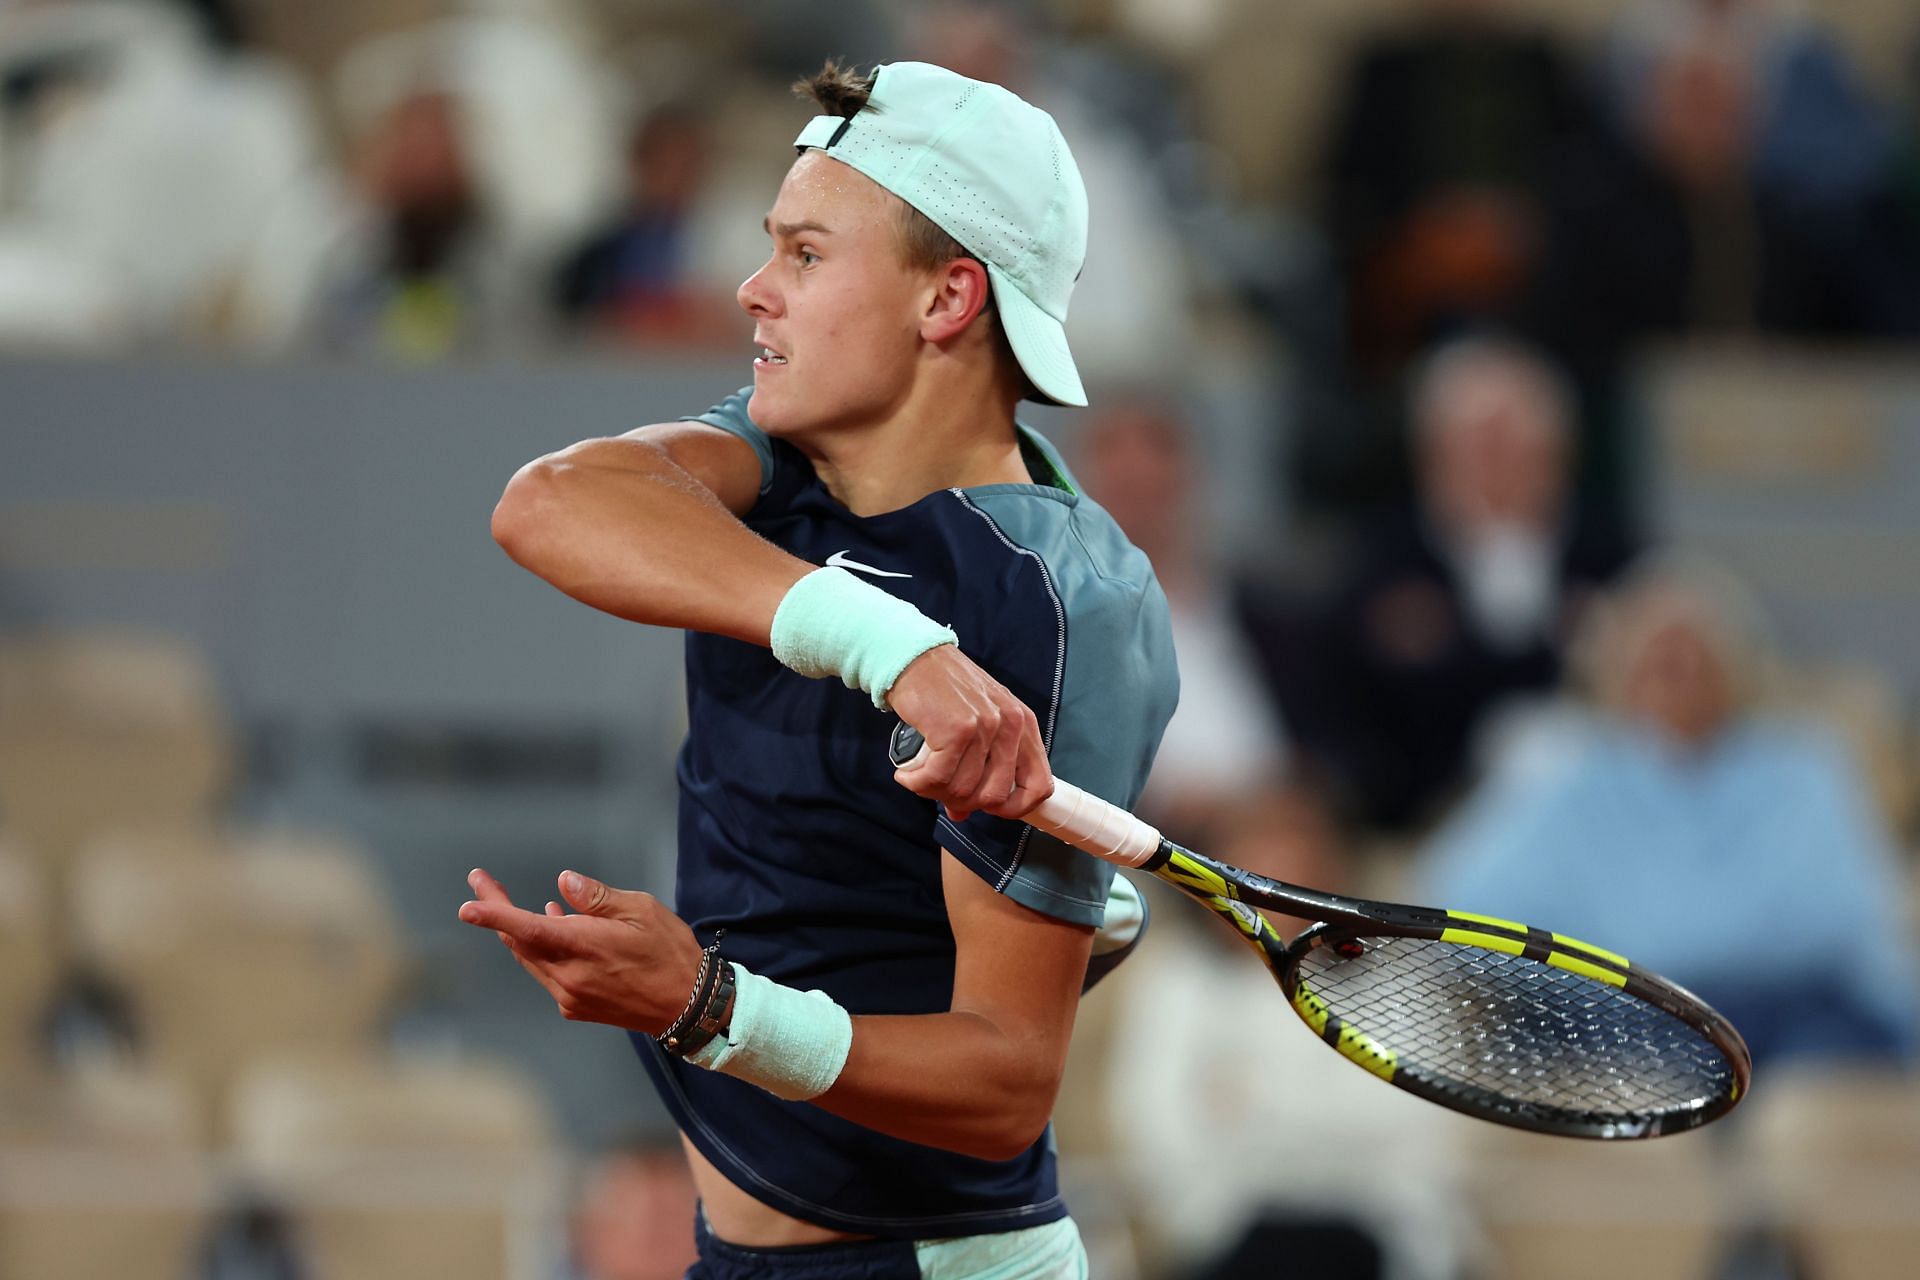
(1520, 400)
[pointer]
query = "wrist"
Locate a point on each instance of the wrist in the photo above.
(831, 623)
(711, 995)
(794, 1044)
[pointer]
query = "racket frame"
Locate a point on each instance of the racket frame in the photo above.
(1238, 896)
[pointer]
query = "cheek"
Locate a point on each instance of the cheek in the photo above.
(860, 330)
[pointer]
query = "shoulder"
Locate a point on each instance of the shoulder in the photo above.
(730, 416)
(1101, 585)
(1091, 561)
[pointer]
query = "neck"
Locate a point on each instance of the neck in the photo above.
(948, 432)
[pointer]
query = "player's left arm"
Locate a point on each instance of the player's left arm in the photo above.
(980, 1078)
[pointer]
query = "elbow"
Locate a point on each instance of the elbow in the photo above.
(1010, 1145)
(1014, 1126)
(523, 507)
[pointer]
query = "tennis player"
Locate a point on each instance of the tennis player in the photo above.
(860, 1014)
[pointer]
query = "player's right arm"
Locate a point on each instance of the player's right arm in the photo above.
(646, 526)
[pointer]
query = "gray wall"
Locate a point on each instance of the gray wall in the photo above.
(321, 531)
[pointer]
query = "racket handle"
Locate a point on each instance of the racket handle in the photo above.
(1078, 817)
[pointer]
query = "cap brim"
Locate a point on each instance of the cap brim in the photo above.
(1039, 342)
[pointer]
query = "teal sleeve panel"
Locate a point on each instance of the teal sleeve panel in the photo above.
(1115, 690)
(730, 415)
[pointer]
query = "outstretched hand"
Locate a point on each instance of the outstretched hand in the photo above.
(983, 744)
(623, 959)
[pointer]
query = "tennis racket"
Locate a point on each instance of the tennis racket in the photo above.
(1486, 1016)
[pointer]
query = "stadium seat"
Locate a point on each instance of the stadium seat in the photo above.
(29, 968)
(1576, 1209)
(105, 729)
(100, 1176)
(268, 944)
(1837, 1155)
(398, 1169)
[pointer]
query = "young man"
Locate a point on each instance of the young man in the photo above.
(863, 1073)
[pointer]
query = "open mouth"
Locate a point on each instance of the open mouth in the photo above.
(768, 358)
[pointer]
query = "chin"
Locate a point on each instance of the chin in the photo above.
(766, 412)
(782, 413)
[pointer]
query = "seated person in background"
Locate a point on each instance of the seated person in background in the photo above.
(1731, 850)
(415, 271)
(1743, 183)
(630, 1221)
(1441, 146)
(633, 279)
(1225, 742)
(1459, 604)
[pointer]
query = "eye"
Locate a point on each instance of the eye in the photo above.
(806, 256)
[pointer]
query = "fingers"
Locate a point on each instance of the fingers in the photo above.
(592, 898)
(1034, 779)
(984, 749)
(1001, 768)
(583, 893)
(522, 930)
(1003, 759)
(486, 888)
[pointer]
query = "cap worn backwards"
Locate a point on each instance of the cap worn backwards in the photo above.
(993, 172)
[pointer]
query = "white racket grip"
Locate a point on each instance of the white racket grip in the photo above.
(1078, 817)
(1087, 822)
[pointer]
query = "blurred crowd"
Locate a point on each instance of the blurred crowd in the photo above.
(1473, 672)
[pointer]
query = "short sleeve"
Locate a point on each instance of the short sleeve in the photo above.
(730, 415)
(1108, 687)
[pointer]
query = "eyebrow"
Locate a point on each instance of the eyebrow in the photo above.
(787, 229)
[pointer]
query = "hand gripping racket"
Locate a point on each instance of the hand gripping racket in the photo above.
(1491, 1018)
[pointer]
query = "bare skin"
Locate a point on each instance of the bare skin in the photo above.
(892, 391)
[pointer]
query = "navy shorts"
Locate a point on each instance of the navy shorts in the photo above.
(855, 1260)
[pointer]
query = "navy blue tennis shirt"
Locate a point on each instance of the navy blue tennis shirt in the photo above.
(825, 873)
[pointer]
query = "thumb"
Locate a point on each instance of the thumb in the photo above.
(588, 896)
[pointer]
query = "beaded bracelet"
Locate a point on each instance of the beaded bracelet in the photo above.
(713, 1015)
(704, 982)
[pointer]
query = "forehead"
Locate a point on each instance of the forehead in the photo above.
(822, 190)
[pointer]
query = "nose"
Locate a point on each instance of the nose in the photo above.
(756, 294)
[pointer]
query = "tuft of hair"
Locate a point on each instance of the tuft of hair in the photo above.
(840, 91)
(844, 91)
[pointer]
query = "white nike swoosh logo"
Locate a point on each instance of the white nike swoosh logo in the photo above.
(838, 560)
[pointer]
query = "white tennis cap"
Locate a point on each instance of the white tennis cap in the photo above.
(994, 173)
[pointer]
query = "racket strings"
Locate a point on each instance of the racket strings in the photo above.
(1523, 1034)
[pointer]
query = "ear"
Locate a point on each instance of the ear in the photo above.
(959, 291)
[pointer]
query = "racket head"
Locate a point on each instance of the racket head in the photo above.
(1519, 1027)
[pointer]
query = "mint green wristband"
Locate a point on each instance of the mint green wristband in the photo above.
(793, 1044)
(830, 623)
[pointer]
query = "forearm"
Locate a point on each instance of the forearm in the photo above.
(618, 525)
(951, 1080)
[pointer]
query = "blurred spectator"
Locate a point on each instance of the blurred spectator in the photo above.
(1734, 851)
(1458, 604)
(632, 1221)
(1744, 183)
(1441, 147)
(1225, 740)
(415, 273)
(1133, 306)
(480, 146)
(143, 143)
(1248, 1153)
(632, 280)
